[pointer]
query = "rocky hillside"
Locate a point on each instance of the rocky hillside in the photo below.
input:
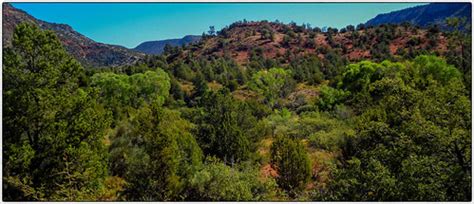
(157, 47)
(434, 13)
(87, 51)
(245, 40)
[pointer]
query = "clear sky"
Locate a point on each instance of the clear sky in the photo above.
(129, 24)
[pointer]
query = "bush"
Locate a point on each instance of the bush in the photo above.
(219, 182)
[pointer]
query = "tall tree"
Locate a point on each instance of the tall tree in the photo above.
(219, 131)
(53, 130)
(291, 161)
(156, 154)
(459, 47)
(200, 85)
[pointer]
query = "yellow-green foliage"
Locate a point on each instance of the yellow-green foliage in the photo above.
(220, 182)
(269, 83)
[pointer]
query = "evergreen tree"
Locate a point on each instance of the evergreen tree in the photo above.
(156, 156)
(53, 130)
(219, 130)
(200, 85)
(291, 161)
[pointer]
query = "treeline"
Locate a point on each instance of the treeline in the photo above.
(202, 129)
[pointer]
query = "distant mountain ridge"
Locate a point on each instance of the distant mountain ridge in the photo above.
(424, 15)
(85, 50)
(157, 47)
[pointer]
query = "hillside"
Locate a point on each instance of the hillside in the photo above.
(271, 40)
(434, 13)
(87, 51)
(157, 47)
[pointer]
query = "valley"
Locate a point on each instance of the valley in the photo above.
(256, 111)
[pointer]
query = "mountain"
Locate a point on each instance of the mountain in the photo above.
(244, 40)
(157, 47)
(433, 13)
(85, 50)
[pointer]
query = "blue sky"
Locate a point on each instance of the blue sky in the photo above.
(129, 24)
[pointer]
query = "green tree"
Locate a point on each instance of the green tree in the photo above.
(200, 85)
(121, 92)
(156, 154)
(53, 130)
(219, 182)
(412, 141)
(459, 46)
(291, 161)
(270, 83)
(175, 89)
(358, 77)
(183, 71)
(220, 133)
(307, 69)
(329, 97)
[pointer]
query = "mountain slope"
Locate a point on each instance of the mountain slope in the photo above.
(244, 41)
(434, 13)
(85, 50)
(157, 47)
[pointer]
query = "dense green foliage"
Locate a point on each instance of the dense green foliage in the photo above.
(53, 130)
(220, 132)
(291, 161)
(157, 154)
(413, 135)
(270, 83)
(217, 181)
(180, 127)
(122, 91)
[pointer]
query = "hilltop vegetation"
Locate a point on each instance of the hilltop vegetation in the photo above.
(361, 114)
(245, 41)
